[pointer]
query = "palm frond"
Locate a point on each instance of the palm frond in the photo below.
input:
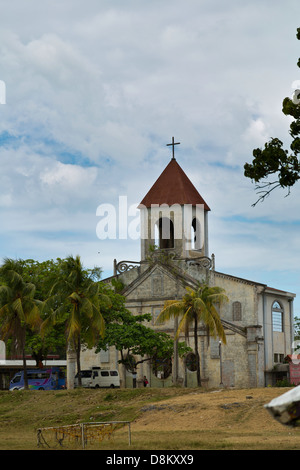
(33, 318)
(75, 298)
(18, 308)
(217, 298)
(172, 308)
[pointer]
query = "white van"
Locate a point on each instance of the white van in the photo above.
(86, 378)
(105, 378)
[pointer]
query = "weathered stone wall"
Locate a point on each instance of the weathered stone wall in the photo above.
(241, 291)
(107, 359)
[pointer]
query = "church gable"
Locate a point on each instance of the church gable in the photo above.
(158, 282)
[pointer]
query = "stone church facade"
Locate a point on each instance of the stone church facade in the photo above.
(258, 320)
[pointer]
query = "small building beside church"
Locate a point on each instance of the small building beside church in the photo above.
(258, 319)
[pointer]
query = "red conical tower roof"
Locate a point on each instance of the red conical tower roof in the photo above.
(173, 187)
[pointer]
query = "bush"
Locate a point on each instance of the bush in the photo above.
(284, 383)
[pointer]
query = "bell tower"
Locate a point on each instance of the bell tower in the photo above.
(174, 217)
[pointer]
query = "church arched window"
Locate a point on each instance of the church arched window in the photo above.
(277, 316)
(195, 234)
(166, 233)
(236, 311)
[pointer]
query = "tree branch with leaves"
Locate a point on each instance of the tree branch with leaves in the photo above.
(275, 161)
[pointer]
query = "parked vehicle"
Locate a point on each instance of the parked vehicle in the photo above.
(105, 378)
(86, 378)
(40, 379)
(98, 378)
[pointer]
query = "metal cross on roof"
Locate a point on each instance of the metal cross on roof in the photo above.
(173, 145)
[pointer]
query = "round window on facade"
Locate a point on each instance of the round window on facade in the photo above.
(162, 368)
(191, 362)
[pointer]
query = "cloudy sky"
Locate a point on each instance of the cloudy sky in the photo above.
(96, 89)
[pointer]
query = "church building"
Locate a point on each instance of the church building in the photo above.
(257, 319)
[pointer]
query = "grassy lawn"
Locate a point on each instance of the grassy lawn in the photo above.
(161, 419)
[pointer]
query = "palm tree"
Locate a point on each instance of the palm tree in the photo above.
(18, 308)
(197, 306)
(77, 302)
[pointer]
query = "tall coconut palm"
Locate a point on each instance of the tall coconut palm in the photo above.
(77, 302)
(197, 306)
(19, 310)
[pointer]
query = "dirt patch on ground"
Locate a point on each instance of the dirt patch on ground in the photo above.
(228, 409)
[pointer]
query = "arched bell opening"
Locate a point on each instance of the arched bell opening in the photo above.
(164, 233)
(195, 234)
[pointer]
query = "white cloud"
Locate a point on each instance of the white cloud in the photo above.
(69, 177)
(94, 93)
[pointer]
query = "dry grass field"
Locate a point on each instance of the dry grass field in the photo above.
(161, 419)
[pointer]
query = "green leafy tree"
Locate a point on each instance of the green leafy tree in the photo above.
(43, 275)
(75, 301)
(275, 161)
(19, 309)
(197, 306)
